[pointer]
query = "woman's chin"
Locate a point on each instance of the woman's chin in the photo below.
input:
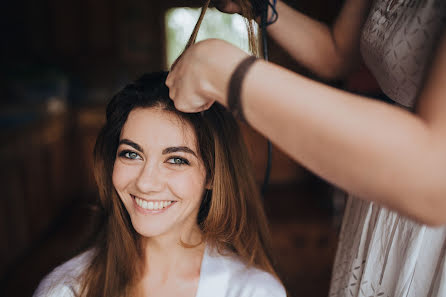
(151, 230)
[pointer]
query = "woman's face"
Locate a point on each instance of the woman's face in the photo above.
(158, 174)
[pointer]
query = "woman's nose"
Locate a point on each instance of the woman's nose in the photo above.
(150, 179)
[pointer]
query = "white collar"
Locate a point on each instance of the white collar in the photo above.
(215, 273)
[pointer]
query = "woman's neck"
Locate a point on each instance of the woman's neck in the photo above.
(166, 255)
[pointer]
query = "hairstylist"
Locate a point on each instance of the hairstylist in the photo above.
(390, 158)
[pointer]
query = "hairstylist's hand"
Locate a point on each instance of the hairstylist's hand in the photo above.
(227, 6)
(201, 75)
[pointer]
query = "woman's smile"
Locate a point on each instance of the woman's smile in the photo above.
(152, 206)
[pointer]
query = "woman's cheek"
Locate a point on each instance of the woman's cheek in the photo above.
(121, 175)
(187, 185)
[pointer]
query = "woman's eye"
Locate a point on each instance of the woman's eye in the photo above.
(178, 161)
(130, 155)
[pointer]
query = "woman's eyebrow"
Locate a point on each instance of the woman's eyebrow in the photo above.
(132, 144)
(175, 149)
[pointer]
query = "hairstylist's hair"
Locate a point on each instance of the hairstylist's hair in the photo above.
(231, 215)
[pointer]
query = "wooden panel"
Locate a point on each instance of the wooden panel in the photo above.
(34, 184)
(13, 221)
(67, 23)
(89, 121)
(304, 237)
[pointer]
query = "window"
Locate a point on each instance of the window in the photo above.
(181, 21)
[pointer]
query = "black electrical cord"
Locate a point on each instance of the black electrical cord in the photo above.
(263, 24)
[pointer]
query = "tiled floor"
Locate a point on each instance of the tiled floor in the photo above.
(302, 230)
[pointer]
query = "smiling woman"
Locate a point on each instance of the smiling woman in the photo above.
(182, 214)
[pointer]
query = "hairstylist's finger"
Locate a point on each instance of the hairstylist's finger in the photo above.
(169, 79)
(181, 106)
(176, 61)
(172, 93)
(206, 106)
(170, 82)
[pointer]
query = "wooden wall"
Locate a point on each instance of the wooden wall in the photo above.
(36, 181)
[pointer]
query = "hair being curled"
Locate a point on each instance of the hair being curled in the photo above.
(250, 9)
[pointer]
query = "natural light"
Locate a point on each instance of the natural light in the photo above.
(181, 21)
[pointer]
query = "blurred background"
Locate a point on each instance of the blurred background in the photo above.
(60, 63)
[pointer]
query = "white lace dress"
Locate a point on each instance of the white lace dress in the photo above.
(380, 252)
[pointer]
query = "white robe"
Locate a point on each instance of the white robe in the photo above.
(220, 276)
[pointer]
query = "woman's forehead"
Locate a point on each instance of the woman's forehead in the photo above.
(157, 127)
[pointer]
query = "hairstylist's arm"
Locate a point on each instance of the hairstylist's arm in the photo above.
(329, 52)
(371, 149)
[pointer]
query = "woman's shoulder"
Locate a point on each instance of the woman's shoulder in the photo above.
(64, 279)
(256, 282)
(240, 279)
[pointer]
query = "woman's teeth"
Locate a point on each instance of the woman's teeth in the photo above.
(152, 205)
